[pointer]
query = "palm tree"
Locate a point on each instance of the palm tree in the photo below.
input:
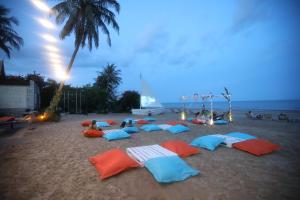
(9, 38)
(108, 80)
(227, 96)
(84, 18)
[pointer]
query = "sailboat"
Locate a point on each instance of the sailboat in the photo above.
(149, 105)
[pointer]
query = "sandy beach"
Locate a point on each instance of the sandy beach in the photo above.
(51, 162)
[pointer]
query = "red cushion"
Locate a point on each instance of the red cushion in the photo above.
(112, 162)
(7, 118)
(196, 121)
(92, 133)
(173, 123)
(257, 147)
(86, 123)
(111, 122)
(141, 121)
(180, 147)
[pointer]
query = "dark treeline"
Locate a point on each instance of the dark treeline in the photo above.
(99, 97)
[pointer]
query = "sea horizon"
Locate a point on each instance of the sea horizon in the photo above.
(281, 105)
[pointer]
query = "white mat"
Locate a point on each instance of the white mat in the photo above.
(143, 153)
(164, 126)
(111, 130)
(229, 140)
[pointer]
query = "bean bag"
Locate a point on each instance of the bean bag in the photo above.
(164, 126)
(86, 123)
(128, 119)
(150, 127)
(150, 119)
(169, 169)
(116, 135)
(111, 122)
(7, 118)
(257, 147)
(180, 147)
(131, 129)
(141, 121)
(178, 129)
(208, 142)
(241, 135)
(102, 124)
(221, 122)
(173, 123)
(112, 162)
(198, 121)
(92, 133)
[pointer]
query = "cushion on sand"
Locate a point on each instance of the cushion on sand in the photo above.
(170, 169)
(131, 129)
(86, 123)
(102, 124)
(173, 123)
(111, 122)
(241, 135)
(180, 147)
(164, 126)
(141, 121)
(7, 118)
(257, 147)
(150, 127)
(221, 122)
(208, 142)
(150, 119)
(116, 135)
(190, 119)
(112, 162)
(198, 121)
(92, 133)
(178, 129)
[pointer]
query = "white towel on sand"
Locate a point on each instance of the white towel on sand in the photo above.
(229, 140)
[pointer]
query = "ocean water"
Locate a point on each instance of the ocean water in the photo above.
(242, 105)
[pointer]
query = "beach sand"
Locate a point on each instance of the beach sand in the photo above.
(51, 162)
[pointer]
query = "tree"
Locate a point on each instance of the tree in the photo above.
(129, 100)
(108, 80)
(84, 18)
(9, 38)
(37, 78)
(227, 96)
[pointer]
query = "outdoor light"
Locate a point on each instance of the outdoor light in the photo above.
(55, 61)
(60, 74)
(182, 115)
(41, 5)
(49, 38)
(230, 117)
(54, 55)
(46, 23)
(211, 122)
(51, 48)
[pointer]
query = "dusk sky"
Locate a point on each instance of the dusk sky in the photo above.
(181, 47)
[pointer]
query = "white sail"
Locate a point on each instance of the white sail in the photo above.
(147, 98)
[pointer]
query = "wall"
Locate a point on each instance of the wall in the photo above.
(13, 96)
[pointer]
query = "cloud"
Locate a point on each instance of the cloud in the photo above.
(249, 12)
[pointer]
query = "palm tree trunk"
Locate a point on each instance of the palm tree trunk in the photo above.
(55, 100)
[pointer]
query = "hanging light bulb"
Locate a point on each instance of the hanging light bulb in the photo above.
(182, 115)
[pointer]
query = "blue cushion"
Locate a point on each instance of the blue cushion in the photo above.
(150, 119)
(150, 127)
(127, 120)
(221, 122)
(116, 135)
(190, 119)
(241, 135)
(208, 142)
(169, 169)
(131, 129)
(178, 129)
(102, 124)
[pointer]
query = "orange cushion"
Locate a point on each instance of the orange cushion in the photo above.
(7, 118)
(141, 121)
(180, 147)
(92, 133)
(257, 147)
(112, 162)
(173, 123)
(111, 122)
(86, 123)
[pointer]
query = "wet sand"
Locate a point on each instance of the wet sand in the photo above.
(51, 162)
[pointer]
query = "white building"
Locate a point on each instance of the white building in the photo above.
(17, 96)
